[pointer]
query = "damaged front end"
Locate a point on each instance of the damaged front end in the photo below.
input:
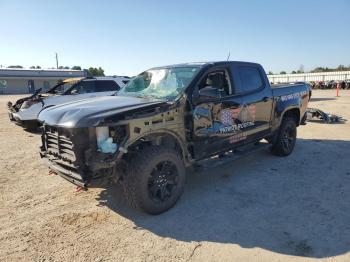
(22, 104)
(83, 156)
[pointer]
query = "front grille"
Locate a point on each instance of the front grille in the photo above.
(58, 143)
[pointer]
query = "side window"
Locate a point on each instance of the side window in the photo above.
(217, 79)
(250, 78)
(105, 86)
(83, 87)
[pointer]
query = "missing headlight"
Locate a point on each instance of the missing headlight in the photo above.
(105, 143)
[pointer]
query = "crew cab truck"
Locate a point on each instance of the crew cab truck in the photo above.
(166, 119)
(25, 111)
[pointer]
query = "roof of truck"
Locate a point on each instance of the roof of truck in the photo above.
(202, 64)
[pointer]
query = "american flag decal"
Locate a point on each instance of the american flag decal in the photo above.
(244, 114)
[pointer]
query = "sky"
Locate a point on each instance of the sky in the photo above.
(128, 37)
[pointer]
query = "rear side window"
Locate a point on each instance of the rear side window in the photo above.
(250, 78)
(105, 86)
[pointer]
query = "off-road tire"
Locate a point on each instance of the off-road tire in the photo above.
(138, 174)
(286, 138)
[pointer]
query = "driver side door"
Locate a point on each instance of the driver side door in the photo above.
(213, 113)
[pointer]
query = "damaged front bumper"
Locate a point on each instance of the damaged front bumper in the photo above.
(94, 175)
(16, 117)
(74, 157)
(10, 111)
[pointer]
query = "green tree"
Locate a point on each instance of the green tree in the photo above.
(15, 66)
(283, 72)
(94, 71)
(76, 68)
(293, 72)
(270, 73)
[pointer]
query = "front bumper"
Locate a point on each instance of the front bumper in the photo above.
(94, 173)
(69, 175)
(17, 119)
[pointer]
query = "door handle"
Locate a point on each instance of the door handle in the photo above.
(265, 99)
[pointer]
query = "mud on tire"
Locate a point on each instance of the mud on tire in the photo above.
(154, 179)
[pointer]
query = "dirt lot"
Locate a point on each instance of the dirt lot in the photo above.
(259, 208)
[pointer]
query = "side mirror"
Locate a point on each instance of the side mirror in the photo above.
(209, 92)
(74, 92)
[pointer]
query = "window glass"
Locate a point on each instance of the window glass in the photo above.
(105, 86)
(3, 83)
(219, 80)
(250, 78)
(61, 87)
(83, 87)
(162, 83)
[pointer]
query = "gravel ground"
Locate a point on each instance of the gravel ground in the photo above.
(261, 207)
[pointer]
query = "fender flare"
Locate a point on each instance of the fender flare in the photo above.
(173, 134)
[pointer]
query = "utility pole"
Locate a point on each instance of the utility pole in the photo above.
(56, 61)
(228, 57)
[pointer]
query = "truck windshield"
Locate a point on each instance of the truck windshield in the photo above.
(161, 83)
(60, 88)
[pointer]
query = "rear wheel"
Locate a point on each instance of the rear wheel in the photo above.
(155, 179)
(286, 138)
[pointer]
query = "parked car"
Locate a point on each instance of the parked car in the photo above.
(25, 111)
(166, 119)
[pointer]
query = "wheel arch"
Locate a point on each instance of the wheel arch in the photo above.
(293, 112)
(164, 137)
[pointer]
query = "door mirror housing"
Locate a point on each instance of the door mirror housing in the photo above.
(209, 92)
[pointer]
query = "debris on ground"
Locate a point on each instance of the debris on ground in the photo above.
(325, 117)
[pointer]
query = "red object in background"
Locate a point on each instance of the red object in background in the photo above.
(338, 86)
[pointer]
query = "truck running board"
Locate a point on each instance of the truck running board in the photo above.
(231, 155)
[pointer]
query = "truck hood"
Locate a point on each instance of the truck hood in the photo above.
(90, 112)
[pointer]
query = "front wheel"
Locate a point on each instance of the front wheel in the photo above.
(155, 179)
(287, 135)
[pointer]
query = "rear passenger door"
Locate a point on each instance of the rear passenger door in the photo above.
(257, 100)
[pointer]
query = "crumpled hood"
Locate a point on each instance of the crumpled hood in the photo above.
(90, 112)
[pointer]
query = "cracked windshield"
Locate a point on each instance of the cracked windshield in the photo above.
(163, 83)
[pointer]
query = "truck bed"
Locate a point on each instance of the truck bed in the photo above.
(289, 89)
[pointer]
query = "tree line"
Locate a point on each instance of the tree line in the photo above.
(91, 71)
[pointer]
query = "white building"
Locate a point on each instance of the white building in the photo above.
(21, 81)
(310, 77)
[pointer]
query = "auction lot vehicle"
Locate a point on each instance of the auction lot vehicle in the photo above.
(25, 111)
(166, 119)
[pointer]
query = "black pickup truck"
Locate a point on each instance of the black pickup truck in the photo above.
(166, 119)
